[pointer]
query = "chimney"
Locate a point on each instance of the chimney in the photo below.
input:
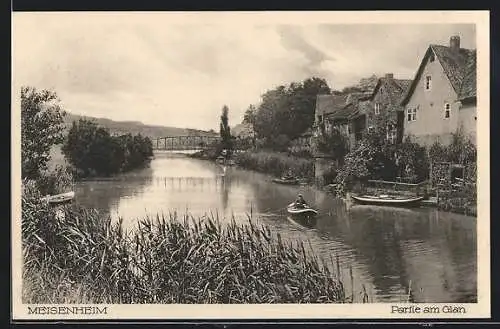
(455, 43)
(389, 75)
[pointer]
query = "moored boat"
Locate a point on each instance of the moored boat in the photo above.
(388, 200)
(59, 198)
(286, 181)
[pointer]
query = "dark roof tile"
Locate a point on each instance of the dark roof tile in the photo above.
(329, 103)
(454, 63)
(468, 87)
(459, 66)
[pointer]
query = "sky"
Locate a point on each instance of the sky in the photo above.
(161, 70)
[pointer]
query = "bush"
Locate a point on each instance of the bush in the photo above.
(461, 150)
(376, 159)
(412, 161)
(276, 163)
(54, 182)
(94, 152)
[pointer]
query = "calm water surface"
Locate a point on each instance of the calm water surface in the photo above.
(388, 249)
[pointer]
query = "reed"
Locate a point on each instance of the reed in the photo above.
(275, 163)
(85, 257)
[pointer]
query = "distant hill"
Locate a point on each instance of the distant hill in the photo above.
(135, 127)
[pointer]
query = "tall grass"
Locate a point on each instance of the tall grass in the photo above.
(84, 257)
(276, 163)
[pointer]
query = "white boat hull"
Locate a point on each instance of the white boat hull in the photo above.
(388, 201)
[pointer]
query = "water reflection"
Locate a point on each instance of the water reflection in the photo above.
(226, 187)
(387, 248)
(105, 194)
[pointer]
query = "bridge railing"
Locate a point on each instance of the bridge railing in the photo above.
(184, 142)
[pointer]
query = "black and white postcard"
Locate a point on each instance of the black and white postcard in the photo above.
(250, 165)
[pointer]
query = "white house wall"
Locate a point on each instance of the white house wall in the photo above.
(431, 123)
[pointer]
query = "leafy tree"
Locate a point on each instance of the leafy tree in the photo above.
(412, 161)
(249, 116)
(41, 128)
(461, 149)
(286, 110)
(93, 151)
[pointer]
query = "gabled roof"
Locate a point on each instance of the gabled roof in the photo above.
(329, 103)
(396, 88)
(358, 96)
(468, 88)
(404, 84)
(342, 113)
(457, 66)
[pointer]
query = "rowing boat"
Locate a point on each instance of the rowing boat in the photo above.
(292, 210)
(286, 181)
(59, 198)
(308, 222)
(387, 200)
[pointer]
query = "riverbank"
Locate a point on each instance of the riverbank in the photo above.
(167, 259)
(268, 162)
(277, 163)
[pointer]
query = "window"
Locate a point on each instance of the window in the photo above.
(447, 108)
(320, 118)
(428, 82)
(377, 108)
(411, 114)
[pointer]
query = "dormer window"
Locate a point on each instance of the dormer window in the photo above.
(428, 82)
(447, 109)
(377, 108)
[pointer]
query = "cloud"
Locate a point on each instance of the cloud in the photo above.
(143, 68)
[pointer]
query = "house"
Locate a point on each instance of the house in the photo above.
(442, 96)
(357, 112)
(326, 105)
(333, 111)
(384, 103)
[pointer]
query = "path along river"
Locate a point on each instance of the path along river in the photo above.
(386, 248)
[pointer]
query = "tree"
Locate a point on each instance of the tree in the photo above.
(286, 110)
(225, 131)
(93, 151)
(249, 116)
(412, 161)
(41, 128)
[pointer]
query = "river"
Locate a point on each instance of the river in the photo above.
(388, 249)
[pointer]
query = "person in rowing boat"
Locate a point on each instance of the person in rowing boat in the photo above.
(300, 202)
(288, 175)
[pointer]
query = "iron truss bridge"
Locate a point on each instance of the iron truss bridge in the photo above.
(184, 143)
